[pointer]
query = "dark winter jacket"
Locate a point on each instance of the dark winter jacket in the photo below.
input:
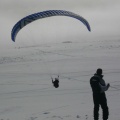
(98, 85)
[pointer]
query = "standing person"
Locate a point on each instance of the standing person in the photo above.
(99, 87)
(55, 82)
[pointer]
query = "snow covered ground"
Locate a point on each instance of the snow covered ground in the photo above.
(26, 91)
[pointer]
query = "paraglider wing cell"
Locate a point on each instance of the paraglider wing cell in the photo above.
(28, 19)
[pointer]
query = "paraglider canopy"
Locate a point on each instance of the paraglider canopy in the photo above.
(28, 19)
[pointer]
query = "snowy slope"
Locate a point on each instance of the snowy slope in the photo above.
(26, 92)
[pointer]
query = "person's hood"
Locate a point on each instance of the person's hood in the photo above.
(101, 76)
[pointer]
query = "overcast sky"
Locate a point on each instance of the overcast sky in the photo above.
(102, 15)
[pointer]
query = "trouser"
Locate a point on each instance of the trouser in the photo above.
(100, 100)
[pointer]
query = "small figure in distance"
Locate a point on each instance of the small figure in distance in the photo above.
(55, 82)
(99, 87)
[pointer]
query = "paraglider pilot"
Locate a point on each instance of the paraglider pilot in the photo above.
(55, 82)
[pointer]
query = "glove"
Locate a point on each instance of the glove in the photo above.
(108, 85)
